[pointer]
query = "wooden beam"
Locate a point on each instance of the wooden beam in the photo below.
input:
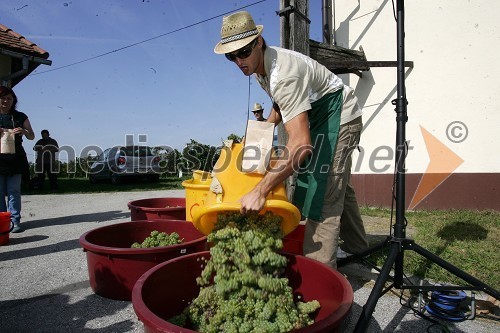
(341, 60)
(335, 65)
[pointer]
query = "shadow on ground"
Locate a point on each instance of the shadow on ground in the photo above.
(93, 217)
(66, 245)
(58, 312)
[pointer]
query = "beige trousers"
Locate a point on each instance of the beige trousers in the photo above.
(341, 216)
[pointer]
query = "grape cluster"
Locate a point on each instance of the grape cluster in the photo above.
(242, 287)
(157, 238)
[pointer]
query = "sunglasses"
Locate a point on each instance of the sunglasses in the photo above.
(242, 53)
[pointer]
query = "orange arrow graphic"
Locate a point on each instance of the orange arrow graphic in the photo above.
(442, 163)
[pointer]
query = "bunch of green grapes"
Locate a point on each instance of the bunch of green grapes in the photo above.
(242, 287)
(157, 238)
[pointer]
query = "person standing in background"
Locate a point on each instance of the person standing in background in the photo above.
(258, 111)
(46, 162)
(13, 126)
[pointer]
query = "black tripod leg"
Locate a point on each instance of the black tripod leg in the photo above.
(369, 307)
(454, 270)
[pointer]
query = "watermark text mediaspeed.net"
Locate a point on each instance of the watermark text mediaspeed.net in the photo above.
(442, 160)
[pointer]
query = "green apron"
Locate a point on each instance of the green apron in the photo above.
(324, 124)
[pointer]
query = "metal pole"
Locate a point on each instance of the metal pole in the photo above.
(401, 119)
(326, 11)
(396, 253)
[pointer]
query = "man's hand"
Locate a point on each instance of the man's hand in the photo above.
(253, 201)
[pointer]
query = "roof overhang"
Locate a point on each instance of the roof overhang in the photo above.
(22, 64)
(24, 55)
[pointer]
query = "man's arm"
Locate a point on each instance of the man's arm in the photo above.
(38, 145)
(274, 115)
(52, 146)
(296, 150)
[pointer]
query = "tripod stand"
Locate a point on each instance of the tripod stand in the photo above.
(398, 244)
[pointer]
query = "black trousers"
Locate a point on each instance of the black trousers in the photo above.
(52, 175)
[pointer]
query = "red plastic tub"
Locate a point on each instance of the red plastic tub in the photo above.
(294, 241)
(158, 208)
(165, 290)
(6, 227)
(114, 266)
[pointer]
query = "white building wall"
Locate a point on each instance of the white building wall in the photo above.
(454, 45)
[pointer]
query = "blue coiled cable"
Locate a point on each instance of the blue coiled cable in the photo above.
(447, 305)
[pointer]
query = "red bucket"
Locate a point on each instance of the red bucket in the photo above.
(5, 227)
(294, 241)
(167, 289)
(158, 208)
(114, 266)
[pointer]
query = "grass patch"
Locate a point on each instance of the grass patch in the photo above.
(467, 239)
(83, 185)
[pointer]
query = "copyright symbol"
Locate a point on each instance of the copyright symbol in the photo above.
(457, 132)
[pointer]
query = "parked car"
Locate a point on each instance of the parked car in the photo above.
(118, 162)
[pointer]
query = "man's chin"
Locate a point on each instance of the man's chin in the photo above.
(246, 71)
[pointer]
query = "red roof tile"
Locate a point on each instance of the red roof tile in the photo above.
(13, 41)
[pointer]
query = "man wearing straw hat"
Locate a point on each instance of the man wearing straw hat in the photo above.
(258, 111)
(323, 121)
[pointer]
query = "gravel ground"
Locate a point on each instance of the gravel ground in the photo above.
(44, 278)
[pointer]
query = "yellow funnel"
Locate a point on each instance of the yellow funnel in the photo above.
(233, 185)
(196, 192)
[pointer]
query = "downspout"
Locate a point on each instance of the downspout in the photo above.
(326, 11)
(328, 20)
(333, 23)
(26, 60)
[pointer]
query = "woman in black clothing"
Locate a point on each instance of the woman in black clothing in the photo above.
(13, 126)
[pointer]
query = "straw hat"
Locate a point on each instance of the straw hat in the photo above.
(237, 30)
(257, 108)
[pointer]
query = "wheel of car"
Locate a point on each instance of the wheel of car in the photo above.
(115, 180)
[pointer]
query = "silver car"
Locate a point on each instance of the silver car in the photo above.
(116, 163)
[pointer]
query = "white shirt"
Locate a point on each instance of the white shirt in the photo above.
(294, 81)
